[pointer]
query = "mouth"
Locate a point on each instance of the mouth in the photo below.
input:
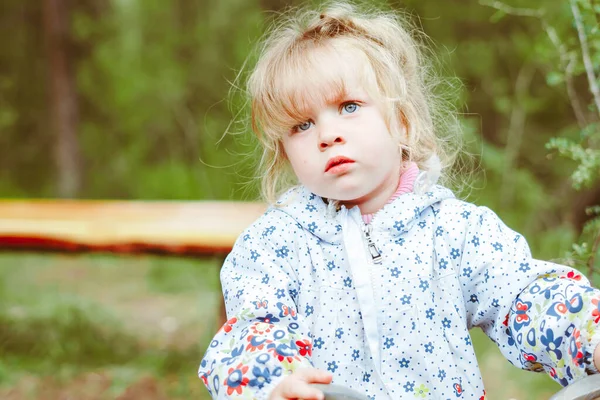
(335, 161)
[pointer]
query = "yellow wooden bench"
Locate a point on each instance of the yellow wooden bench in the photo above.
(169, 227)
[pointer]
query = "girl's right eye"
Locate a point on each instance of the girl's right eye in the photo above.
(302, 127)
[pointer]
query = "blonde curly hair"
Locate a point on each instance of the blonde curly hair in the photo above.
(289, 77)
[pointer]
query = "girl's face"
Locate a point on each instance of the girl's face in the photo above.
(344, 150)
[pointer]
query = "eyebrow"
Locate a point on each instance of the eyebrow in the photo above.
(305, 109)
(336, 98)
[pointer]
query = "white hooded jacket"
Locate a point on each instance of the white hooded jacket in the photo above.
(387, 307)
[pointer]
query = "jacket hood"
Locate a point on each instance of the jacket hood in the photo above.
(324, 221)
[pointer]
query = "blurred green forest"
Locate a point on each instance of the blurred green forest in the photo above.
(129, 99)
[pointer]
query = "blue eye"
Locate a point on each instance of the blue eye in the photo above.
(349, 108)
(303, 126)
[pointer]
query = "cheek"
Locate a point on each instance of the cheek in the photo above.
(386, 142)
(390, 151)
(297, 158)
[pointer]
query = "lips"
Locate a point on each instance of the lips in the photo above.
(335, 161)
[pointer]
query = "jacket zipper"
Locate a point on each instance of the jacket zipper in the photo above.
(373, 251)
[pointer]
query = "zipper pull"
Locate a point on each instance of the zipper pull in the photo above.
(373, 251)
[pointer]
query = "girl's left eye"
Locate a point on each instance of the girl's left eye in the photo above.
(349, 108)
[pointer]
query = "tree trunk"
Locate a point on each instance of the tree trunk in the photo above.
(62, 96)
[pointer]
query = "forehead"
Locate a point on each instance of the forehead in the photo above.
(312, 76)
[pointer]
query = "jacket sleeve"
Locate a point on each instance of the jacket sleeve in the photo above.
(264, 338)
(542, 316)
(554, 323)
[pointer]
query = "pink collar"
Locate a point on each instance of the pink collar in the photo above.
(407, 180)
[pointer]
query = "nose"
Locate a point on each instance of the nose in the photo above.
(329, 135)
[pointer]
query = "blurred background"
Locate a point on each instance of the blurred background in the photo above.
(129, 99)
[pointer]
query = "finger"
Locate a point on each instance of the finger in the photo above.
(314, 375)
(301, 390)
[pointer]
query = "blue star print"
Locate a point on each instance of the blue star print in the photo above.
(332, 366)
(428, 347)
(430, 313)
(268, 231)
(282, 252)
(441, 374)
(318, 343)
(467, 272)
(455, 253)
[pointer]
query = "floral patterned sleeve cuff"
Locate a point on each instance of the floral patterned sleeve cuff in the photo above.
(555, 325)
(589, 361)
(265, 391)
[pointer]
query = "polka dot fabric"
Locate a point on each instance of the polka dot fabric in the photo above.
(301, 290)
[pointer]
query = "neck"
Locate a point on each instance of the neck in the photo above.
(375, 201)
(408, 176)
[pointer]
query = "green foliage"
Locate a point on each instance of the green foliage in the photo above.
(569, 58)
(585, 151)
(64, 332)
(181, 276)
(588, 170)
(152, 80)
(154, 77)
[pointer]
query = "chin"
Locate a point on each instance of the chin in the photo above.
(344, 197)
(348, 194)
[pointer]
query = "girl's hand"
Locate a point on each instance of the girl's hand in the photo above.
(296, 385)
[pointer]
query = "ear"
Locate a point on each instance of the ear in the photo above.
(404, 152)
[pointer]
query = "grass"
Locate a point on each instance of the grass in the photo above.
(116, 327)
(105, 327)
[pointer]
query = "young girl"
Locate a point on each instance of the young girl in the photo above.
(369, 273)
